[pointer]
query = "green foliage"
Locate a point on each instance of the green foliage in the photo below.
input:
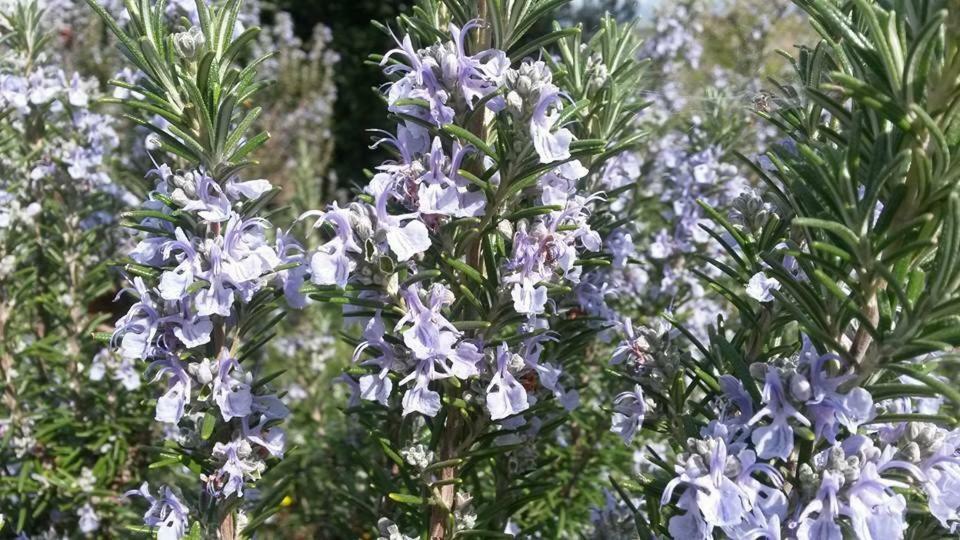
(862, 235)
(69, 431)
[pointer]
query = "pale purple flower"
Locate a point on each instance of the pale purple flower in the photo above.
(551, 145)
(633, 348)
(827, 407)
(827, 509)
(421, 398)
(720, 489)
(619, 243)
(711, 496)
(170, 406)
(332, 263)
(432, 339)
(560, 184)
(629, 410)
(250, 189)
(174, 283)
(76, 93)
(875, 510)
(191, 330)
(760, 523)
(238, 465)
(88, 521)
(217, 298)
(662, 246)
(290, 251)
(230, 390)
(769, 503)
(442, 190)
(528, 298)
(775, 439)
(445, 360)
(426, 320)
(505, 395)
(529, 266)
(420, 82)
(273, 439)
(405, 235)
(376, 386)
(547, 373)
(444, 75)
(852, 487)
(941, 480)
(166, 512)
(199, 192)
(475, 79)
(136, 330)
(735, 394)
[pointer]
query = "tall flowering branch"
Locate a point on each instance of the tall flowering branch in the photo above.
(209, 271)
(462, 252)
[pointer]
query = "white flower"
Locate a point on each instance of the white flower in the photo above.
(87, 480)
(89, 520)
(761, 288)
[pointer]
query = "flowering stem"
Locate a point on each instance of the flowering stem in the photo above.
(450, 439)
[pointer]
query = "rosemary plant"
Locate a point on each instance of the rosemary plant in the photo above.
(821, 408)
(209, 272)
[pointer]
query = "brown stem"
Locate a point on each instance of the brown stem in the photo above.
(227, 531)
(439, 515)
(862, 340)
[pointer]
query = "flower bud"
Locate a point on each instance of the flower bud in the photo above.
(514, 102)
(800, 387)
(911, 452)
(202, 371)
(189, 44)
(152, 142)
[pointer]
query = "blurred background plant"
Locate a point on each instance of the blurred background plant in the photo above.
(74, 418)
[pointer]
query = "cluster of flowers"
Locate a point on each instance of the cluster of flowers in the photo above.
(204, 276)
(681, 169)
(123, 370)
(201, 256)
(83, 140)
(675, 46)
(54, 172)
(687, 178)
(684, 165)
(733, 480)
(414, 196)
